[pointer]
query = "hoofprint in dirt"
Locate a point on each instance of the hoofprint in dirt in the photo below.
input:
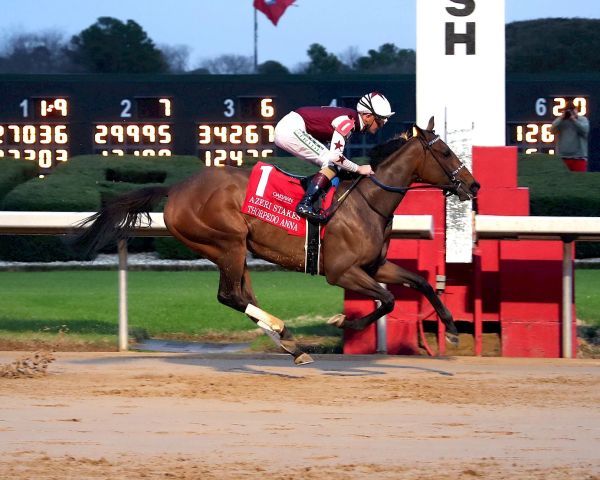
(140, 415)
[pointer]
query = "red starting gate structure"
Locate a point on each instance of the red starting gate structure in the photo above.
(513, 288)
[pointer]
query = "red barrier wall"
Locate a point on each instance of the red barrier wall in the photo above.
(517, 284)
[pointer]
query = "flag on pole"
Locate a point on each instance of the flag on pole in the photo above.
(273, 9)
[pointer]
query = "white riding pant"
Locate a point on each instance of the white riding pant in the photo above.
(291, 135)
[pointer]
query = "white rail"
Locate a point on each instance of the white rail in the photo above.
(57, 223)
(60, 223)
(539, 228)
(566, 229)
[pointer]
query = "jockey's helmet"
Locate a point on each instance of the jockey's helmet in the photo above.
(375, 104)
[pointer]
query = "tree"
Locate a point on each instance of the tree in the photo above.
(42, 52)
(387, 59)
(271, 67)
(322, 62)
(350, 56)
(566, 45)
(228, 65)
(111, 46)
(177, 57)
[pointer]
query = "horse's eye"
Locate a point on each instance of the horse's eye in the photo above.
(446, 153)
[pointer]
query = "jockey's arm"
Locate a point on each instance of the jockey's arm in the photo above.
(343, 127)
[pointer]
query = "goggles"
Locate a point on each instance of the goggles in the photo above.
(381, 121)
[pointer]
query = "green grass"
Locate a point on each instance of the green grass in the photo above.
(83, 304)
(587, 296)
(78, 307)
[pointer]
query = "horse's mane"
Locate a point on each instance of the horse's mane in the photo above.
(380, 152)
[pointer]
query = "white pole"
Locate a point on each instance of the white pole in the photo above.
(123, 324)
(255, 42)
(382, 330)
(567, 305)
(466, 40)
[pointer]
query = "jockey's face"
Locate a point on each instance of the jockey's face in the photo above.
(371, 123)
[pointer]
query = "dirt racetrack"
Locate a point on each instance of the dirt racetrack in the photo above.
(139, 415)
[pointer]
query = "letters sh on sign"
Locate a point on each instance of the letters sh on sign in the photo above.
(461, 81)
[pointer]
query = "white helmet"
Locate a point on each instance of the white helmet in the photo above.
(375, 104)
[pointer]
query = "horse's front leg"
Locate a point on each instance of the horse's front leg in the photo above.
(390, 273)
(357, 280)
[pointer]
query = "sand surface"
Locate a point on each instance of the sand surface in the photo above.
(139, 415)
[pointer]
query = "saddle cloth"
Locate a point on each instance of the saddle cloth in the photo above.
(272, 196)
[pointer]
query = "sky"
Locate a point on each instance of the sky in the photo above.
(211, 28)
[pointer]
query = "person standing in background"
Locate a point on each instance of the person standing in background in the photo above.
(572, 130)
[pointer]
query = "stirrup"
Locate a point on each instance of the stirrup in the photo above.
(309, 213)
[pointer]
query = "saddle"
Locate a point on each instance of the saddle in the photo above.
(272, 195)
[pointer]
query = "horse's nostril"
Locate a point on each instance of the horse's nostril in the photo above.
(474, 188)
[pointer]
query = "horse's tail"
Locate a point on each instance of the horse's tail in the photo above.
(115, 220)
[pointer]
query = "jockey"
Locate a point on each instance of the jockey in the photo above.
(305, 131)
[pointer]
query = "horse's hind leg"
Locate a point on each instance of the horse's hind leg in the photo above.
(235, 291)
(221, 238)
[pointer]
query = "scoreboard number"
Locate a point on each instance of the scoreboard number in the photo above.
(141, 133)
(42, 136)
(541, 107)
(227, 143)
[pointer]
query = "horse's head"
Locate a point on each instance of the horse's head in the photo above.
(441, 166)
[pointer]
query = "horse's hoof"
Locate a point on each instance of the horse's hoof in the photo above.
(303, 359)
(452, 339)
(337, 320)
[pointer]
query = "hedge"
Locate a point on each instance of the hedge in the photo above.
(14, 172)
(557, 192)
(84, 184)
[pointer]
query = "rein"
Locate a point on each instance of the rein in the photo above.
(389, 188)
(334, 206)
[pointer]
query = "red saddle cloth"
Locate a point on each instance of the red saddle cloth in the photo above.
(272, 196)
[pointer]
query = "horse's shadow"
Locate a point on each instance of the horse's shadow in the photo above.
(275, 364)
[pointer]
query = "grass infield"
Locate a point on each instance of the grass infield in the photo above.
(81, 307)
(78, 309)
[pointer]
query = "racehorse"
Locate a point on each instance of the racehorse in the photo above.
(204, 213)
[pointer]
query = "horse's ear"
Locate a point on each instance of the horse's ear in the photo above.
(430, 125)
(415, 131)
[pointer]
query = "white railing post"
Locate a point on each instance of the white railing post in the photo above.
(567, 305)
(123, 323)
(381, 330)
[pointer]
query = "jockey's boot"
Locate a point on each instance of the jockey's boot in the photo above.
(319, 184)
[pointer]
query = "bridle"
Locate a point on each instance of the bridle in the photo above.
(448, 189)
(455, 182)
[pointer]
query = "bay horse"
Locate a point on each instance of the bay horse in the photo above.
(204, 213)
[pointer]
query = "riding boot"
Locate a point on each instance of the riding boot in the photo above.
(319, 184)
